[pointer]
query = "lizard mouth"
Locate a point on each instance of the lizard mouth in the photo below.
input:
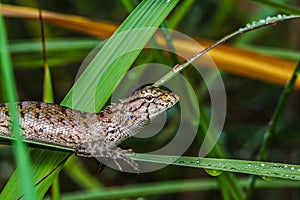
(170, 100)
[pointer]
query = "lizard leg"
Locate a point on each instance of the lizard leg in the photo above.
(100, 166)
(100, 150)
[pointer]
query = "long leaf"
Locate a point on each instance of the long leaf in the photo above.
(25, 171)
(168, 187)
(217, 165)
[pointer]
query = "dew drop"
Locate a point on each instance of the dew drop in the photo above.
(181, 162)
(213, 172)
(268, 178)
(279, 16)
(248, 25)
(262, 21)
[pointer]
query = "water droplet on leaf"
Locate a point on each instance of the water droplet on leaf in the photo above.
(213, 172)
(180, 161)
(268, 178)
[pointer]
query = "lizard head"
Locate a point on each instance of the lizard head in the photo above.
(137, 111)
(150, 101)
(145, 104)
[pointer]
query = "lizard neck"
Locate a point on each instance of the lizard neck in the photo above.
(126, 118)
(113, 123)
(121, 121)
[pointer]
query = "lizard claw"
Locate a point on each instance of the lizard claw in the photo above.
(102, 153)
(124, 151)
(129, 161)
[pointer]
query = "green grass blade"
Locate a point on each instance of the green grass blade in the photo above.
(129, 5)
(180, 13)
(62, 44)
(59, 52)
(147, 14)
(48, 92)
(280, 6)
(55, 190)
(273, 124)
(80, 175)
(260, 168)
(23, 163)
(113, 61)
(168, 187)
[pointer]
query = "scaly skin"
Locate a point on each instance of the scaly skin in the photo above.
(94, 135)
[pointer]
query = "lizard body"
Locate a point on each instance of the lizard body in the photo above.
(94, 135)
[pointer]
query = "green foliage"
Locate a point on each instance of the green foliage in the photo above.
(24, 171)
(110, 65)
(103, 74)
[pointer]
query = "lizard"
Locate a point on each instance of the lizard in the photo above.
(91, 135)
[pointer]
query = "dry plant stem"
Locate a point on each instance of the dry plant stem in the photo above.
(42, 33)
(255, 25)
(273, 124)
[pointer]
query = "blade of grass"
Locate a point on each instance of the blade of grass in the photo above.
(268, 169)
(262, 154)
(57, 44)
(129, 5)
(180, 13)
(167, 187)
(24, 170)
(147, 14)
(55, 59)
(55, 190)
(249, 27)
(79, 174)
(119, 44)
(48, 92)
(280, 6)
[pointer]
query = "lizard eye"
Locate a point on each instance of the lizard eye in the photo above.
(149, 98)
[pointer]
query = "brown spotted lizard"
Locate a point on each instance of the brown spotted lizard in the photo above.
(93, 135)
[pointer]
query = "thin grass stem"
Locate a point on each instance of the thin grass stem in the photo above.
(272, 126)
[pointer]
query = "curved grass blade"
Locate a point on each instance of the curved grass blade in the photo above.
(167, 187)
(249, 27)
(273, 124)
